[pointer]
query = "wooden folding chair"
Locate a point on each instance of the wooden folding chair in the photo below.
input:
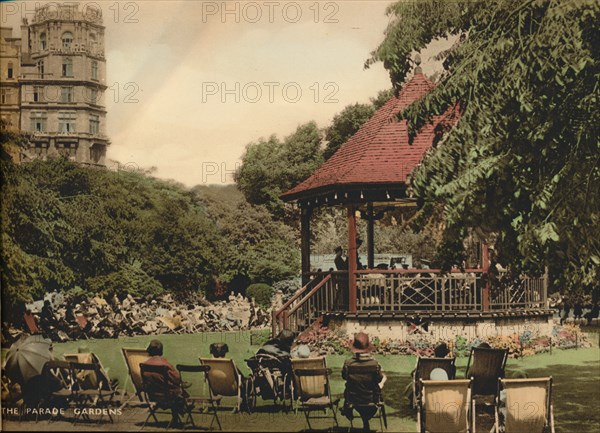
(133, 358)
(525, 405)
(314, 393)
(369, 374)
(92, 378)
(223, 379)
(446, 406)
(196, 403)
(485, 367)
(423, 371)
(91, 388)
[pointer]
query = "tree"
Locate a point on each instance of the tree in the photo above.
(348, 121)
(271, 167)
(260, 249)
(344, 125)
(522, 162)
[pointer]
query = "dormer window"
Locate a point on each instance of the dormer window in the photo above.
(42, 41)
(67, 40)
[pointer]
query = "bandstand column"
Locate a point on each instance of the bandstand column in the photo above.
(351, 259)
(370, 237)
(305, 243)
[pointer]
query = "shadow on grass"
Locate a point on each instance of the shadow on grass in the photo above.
(575, 396)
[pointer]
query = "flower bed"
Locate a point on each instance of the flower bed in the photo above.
(326, 342)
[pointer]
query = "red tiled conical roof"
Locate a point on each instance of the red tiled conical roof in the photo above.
(379, 152)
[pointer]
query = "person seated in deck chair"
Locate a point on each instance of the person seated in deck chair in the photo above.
(358, 392)
(218, 350)
(441, 350)
(280, 346)
(30, 323)
(155, 350)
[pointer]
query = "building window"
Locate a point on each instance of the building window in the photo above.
(4, 96)
(94, 70)
(37, 93)
(67, 149)
(40, 68)
(93, 96)
(94, 124)
(66, 122)
(66, 94)
(42, 41)
(97, 151)
(10, 70)
(67, 40)
(67, 67)
(38, 122)
(40, 149)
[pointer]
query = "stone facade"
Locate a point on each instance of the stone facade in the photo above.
(61, 83)
(10, 66)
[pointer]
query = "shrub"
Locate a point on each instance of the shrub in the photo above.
(262, 293)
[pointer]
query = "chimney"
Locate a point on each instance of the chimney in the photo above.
(25, 37)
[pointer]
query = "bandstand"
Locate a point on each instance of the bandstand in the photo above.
(368, 175)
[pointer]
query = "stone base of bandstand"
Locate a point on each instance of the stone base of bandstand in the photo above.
(444, 327)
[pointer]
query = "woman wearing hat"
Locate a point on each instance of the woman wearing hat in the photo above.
(364, 380)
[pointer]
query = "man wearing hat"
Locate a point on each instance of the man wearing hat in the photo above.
(364, 380)
(173, 380)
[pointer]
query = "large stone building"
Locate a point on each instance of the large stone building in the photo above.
(57, 83)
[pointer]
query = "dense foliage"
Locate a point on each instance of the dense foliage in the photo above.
(522, 163)
(66, 227)
(261, 293)
(271, 167)
(348, 121)
(256, 247)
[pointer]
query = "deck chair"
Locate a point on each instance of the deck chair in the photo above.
(196, 403)
(369, 374)
(485, 367)
(224, 379)
(314, 393)
(304, 363)
(92, 379)
(526, 406)
(91, 388)
(423, 371)
(133, 359)
(158, 394)
(31, 324)
(446, 406)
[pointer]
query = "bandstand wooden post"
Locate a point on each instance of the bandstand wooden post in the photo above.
(305, 243)
(370, 236)
(351, 259)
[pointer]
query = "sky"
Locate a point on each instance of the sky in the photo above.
(191, 83)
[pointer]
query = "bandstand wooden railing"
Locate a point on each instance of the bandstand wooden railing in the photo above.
(407, 290)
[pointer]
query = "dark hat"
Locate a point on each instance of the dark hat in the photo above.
(361, 343)
(155, 348)
(338, 249)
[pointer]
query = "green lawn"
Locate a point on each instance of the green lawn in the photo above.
(576, 392)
